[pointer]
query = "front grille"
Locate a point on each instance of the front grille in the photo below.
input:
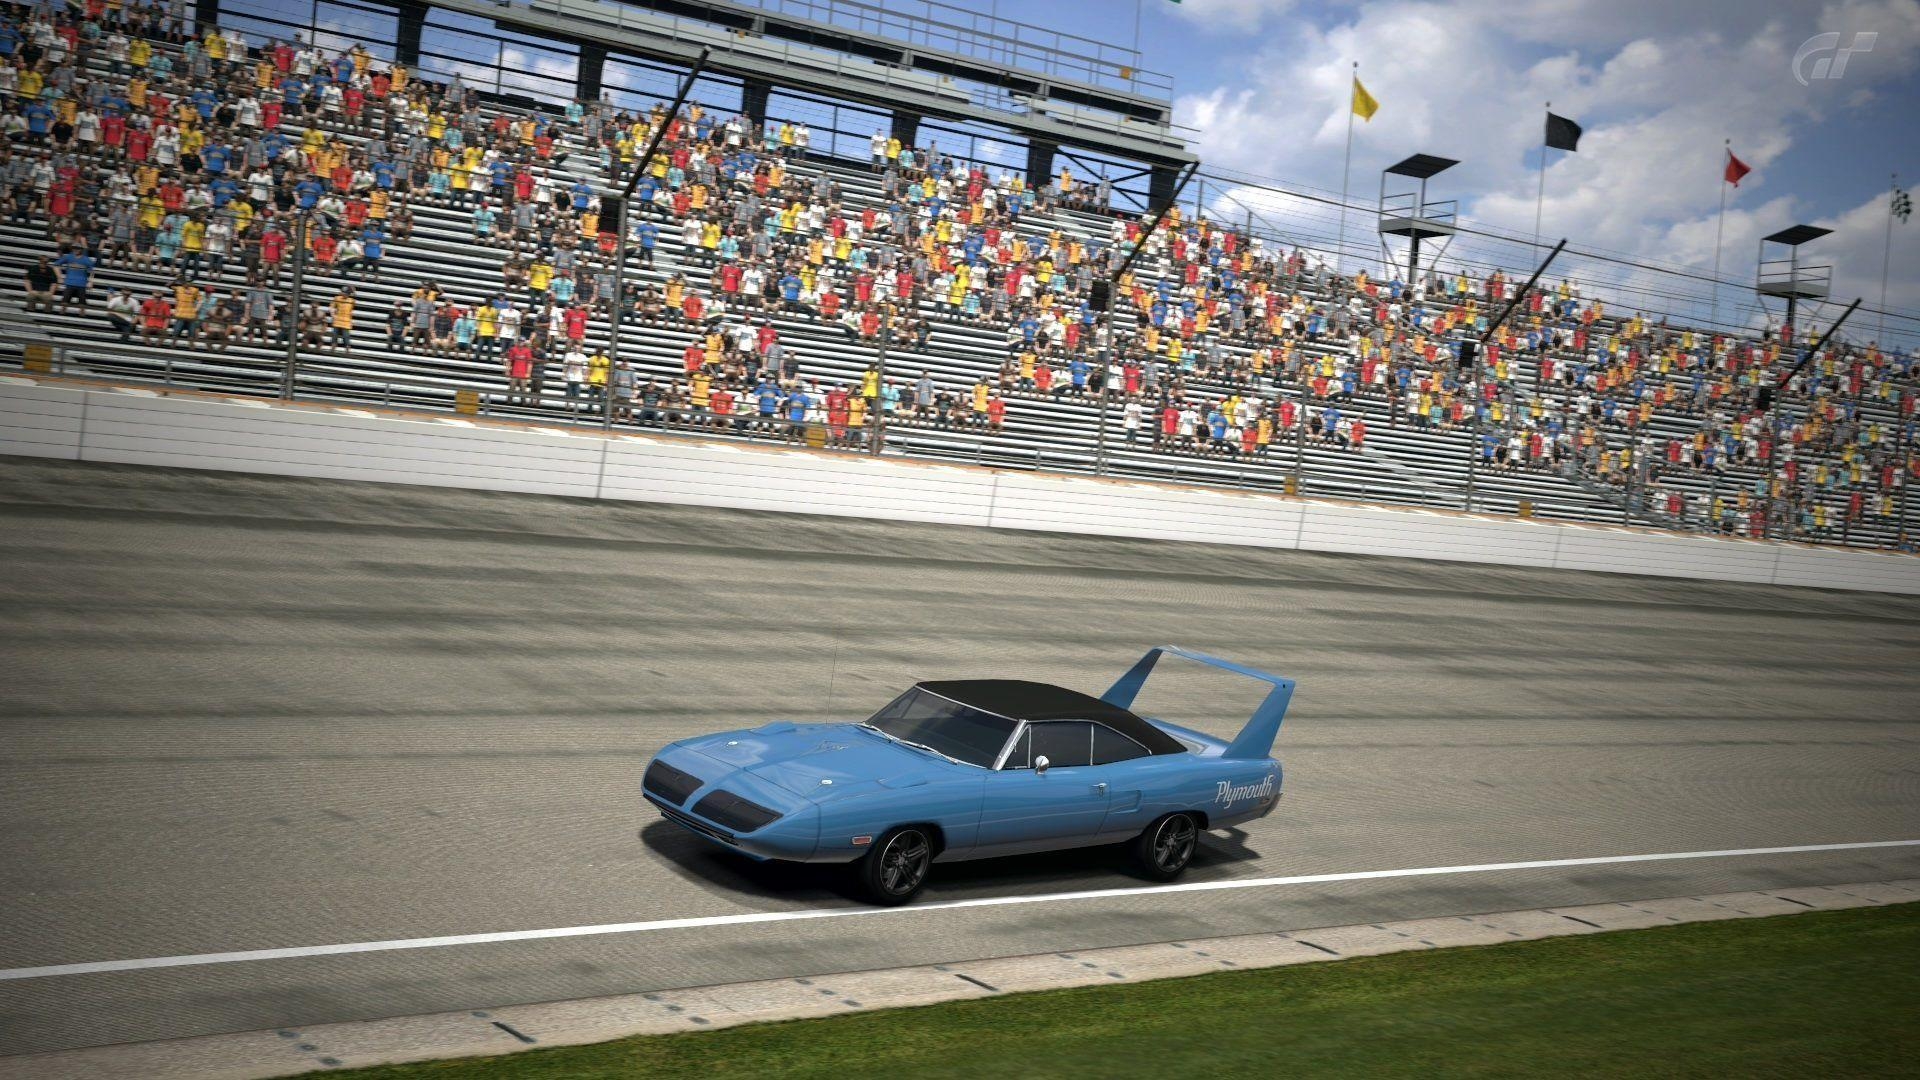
(693, 824)
(731, 811)
(669, 783)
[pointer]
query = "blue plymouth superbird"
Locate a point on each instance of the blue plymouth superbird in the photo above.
(972, 769)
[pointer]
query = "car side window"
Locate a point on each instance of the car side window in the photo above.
(1110, 746)
(1064, 743)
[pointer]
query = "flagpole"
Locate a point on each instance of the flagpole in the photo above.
(1719, 232)
(1541, 200)
(1886, 261)
(1346, 172)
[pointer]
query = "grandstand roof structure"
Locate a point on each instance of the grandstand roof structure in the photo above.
(1421, 166)
(1093, 97)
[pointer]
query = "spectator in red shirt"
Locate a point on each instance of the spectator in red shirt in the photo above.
(273, 249)
(155, 314)
(837, 399)
(519, 365)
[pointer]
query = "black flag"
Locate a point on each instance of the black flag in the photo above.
(1562, 133)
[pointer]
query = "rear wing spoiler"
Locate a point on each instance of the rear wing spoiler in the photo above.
(1256, 739)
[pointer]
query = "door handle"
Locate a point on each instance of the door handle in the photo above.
(1100, 788)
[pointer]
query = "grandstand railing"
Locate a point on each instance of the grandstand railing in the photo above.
(317, 382)
(907, 436)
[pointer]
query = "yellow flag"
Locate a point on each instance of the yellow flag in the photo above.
(1363, 104)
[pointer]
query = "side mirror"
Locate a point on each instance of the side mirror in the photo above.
(1040, 764)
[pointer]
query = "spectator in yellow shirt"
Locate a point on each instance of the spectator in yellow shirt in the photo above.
(342, 319)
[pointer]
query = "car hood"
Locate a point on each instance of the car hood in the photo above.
(820, 761)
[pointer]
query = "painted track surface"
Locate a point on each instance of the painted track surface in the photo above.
(241, 712)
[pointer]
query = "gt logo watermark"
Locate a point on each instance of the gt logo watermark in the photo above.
(1226, 793)
(1824, 66)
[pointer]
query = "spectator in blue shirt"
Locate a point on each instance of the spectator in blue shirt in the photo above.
(39, 121)
(648, 234)
(797, 403)
(768, 395)
(76, 274)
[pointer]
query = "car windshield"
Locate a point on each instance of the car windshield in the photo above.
(945, 727)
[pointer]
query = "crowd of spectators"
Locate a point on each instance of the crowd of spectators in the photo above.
(208, 168)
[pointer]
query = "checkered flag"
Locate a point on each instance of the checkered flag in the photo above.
(1902, 204)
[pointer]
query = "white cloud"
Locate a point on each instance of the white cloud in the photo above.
(1658, 86)
(1231, 16)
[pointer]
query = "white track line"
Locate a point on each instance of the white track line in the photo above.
(201, 959)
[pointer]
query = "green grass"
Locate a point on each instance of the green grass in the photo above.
(1826, 994)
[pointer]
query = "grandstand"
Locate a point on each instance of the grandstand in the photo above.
(295, 211)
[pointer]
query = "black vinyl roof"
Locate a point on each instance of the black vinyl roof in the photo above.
(1017, 699)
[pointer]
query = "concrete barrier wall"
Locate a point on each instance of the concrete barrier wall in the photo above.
(642, 469)
(1614, 549)
(200, 434)
(1427, 534)
(141, 427)
(1118, 508)
(37, 421)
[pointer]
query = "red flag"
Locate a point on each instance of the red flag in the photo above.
(1736, 169)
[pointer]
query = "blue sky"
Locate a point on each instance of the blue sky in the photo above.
(1657, 83)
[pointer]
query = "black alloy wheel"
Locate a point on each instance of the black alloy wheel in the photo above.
(894, 871)
(1167, 846)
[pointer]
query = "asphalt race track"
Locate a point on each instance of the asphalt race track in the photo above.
(240, 712)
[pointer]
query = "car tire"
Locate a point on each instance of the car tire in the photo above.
(896, 869)
(1163, 851)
